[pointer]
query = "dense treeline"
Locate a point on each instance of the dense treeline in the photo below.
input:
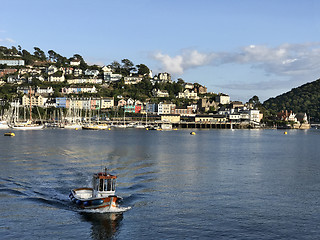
(305, 99)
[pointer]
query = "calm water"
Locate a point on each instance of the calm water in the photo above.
(218, 184)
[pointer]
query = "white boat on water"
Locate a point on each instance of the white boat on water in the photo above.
(96, 127)
(4, 125)
(27, 126)
(139, 126)
(101, 196)
(72, 126)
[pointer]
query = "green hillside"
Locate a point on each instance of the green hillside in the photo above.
(305, 99)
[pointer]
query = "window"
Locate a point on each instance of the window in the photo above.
(101, 185)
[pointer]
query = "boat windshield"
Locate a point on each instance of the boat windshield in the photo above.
(103, 185)
(109, 184)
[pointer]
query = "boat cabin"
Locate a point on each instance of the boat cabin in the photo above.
(104, 184)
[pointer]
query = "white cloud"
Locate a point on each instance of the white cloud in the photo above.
(188, 59)
(7, 40)
(10, 40)
(283, 60)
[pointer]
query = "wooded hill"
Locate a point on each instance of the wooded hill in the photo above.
(305, 99)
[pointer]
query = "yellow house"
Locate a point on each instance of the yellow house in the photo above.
(172, 118)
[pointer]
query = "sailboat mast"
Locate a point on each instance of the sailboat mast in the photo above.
(30, 103)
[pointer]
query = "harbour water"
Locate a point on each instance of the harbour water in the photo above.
(217, 184)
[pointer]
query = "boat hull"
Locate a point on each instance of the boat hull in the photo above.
(4, 125)
(35, 127)
(110, 202)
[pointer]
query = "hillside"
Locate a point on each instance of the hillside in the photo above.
(305, 98)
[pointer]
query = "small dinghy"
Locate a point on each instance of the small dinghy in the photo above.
(101, 196)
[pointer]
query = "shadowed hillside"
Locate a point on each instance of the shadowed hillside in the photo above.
(305, 98)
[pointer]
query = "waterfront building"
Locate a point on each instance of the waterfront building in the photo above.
(138, 108)
(122, 103)
(61, 102)
(95, 103)
(129, 108)
(151, 108)
(211, 118)
(165, 108)
(35, 100)
(170, 118)
(107, 103)
(182, 111)
(204, 104)
(130, 101)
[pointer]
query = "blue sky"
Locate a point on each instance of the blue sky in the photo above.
(241, 48)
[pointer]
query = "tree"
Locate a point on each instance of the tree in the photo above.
(52, 55)
(38, 53)
(83, 64)
(143, 69)
(14, 51)
(180, 81)
(127, 66)
(116, 67)
(255, 101)
(28, 58)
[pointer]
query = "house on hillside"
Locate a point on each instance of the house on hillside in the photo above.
(188, 94)
(75, 62)
(160, 93)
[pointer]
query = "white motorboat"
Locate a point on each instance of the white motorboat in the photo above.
(101, 196)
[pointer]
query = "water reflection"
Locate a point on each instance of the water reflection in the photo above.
(104, 225)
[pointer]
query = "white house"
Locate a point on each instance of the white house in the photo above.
(132, 80)
(77, 72)
(164, 77)
(107, 103)
(52, 69)
(84, 80)
(77, 90)
(254, 115)
(188, 94)
(75, 62)
(12, 62)
(160, 93)
(130, 101)
(165, 108)
(55, 78)
(223, 99)
(111, 77)
(47, 90)
(89, 72)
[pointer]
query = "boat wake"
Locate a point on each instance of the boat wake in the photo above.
(113, 210)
